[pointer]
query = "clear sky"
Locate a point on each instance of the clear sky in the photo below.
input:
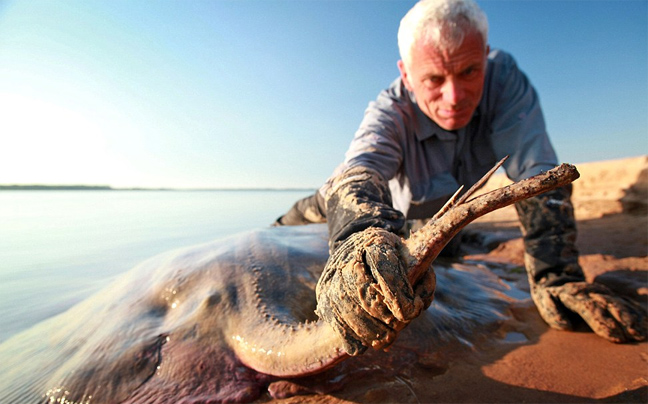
(269, 93)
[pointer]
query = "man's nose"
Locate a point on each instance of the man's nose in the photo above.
(452, 91)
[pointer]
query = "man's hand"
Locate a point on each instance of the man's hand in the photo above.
(612, 317)
(364, 292)
(557, 281)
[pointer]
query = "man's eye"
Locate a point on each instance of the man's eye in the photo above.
(433, 81)
(471, 71)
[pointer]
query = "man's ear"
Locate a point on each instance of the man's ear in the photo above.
(404, 75)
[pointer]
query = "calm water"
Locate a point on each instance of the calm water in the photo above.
(59, 247)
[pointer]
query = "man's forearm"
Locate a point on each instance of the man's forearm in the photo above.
(305, 211)
(357, 199)
(549, 231)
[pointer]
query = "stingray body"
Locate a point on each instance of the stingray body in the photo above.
(192, 325)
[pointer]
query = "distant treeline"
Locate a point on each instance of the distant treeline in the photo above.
(109, 188)
(55, 188)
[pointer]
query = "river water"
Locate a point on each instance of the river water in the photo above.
(59, 247)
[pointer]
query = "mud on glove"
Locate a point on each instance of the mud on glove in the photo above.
(363, 291)
(557, 283)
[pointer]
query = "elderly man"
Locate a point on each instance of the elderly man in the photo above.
(455, 110)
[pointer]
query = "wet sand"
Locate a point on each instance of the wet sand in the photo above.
(524, 360)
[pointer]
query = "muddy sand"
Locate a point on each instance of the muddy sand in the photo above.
(524, 361)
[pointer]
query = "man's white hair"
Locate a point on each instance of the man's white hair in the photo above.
(440, 22)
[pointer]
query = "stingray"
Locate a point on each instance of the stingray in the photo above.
(220, 322)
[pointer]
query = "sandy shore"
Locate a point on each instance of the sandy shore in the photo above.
(546, 365)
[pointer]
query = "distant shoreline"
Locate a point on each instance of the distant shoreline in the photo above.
(109, 188)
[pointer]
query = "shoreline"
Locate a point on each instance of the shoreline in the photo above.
(109, 188)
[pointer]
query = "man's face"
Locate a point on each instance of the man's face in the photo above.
(447, 84)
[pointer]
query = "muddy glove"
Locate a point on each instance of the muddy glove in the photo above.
(612, 317)
(357, 199)
(304, 211)
(363, 291)
(557, 283)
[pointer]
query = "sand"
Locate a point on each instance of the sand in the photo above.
(547, 366)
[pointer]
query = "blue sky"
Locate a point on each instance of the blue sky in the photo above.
(269, 93)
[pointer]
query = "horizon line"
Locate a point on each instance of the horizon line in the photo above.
(79, 187)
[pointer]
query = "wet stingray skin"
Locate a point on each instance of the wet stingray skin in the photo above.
(181, 327)
(168, 320)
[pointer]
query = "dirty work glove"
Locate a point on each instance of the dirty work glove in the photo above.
(304, 211)
(557, 283)
(357, 199)
(612, 317)
(364, 293)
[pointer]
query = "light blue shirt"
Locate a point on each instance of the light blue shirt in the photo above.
(425, 164)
